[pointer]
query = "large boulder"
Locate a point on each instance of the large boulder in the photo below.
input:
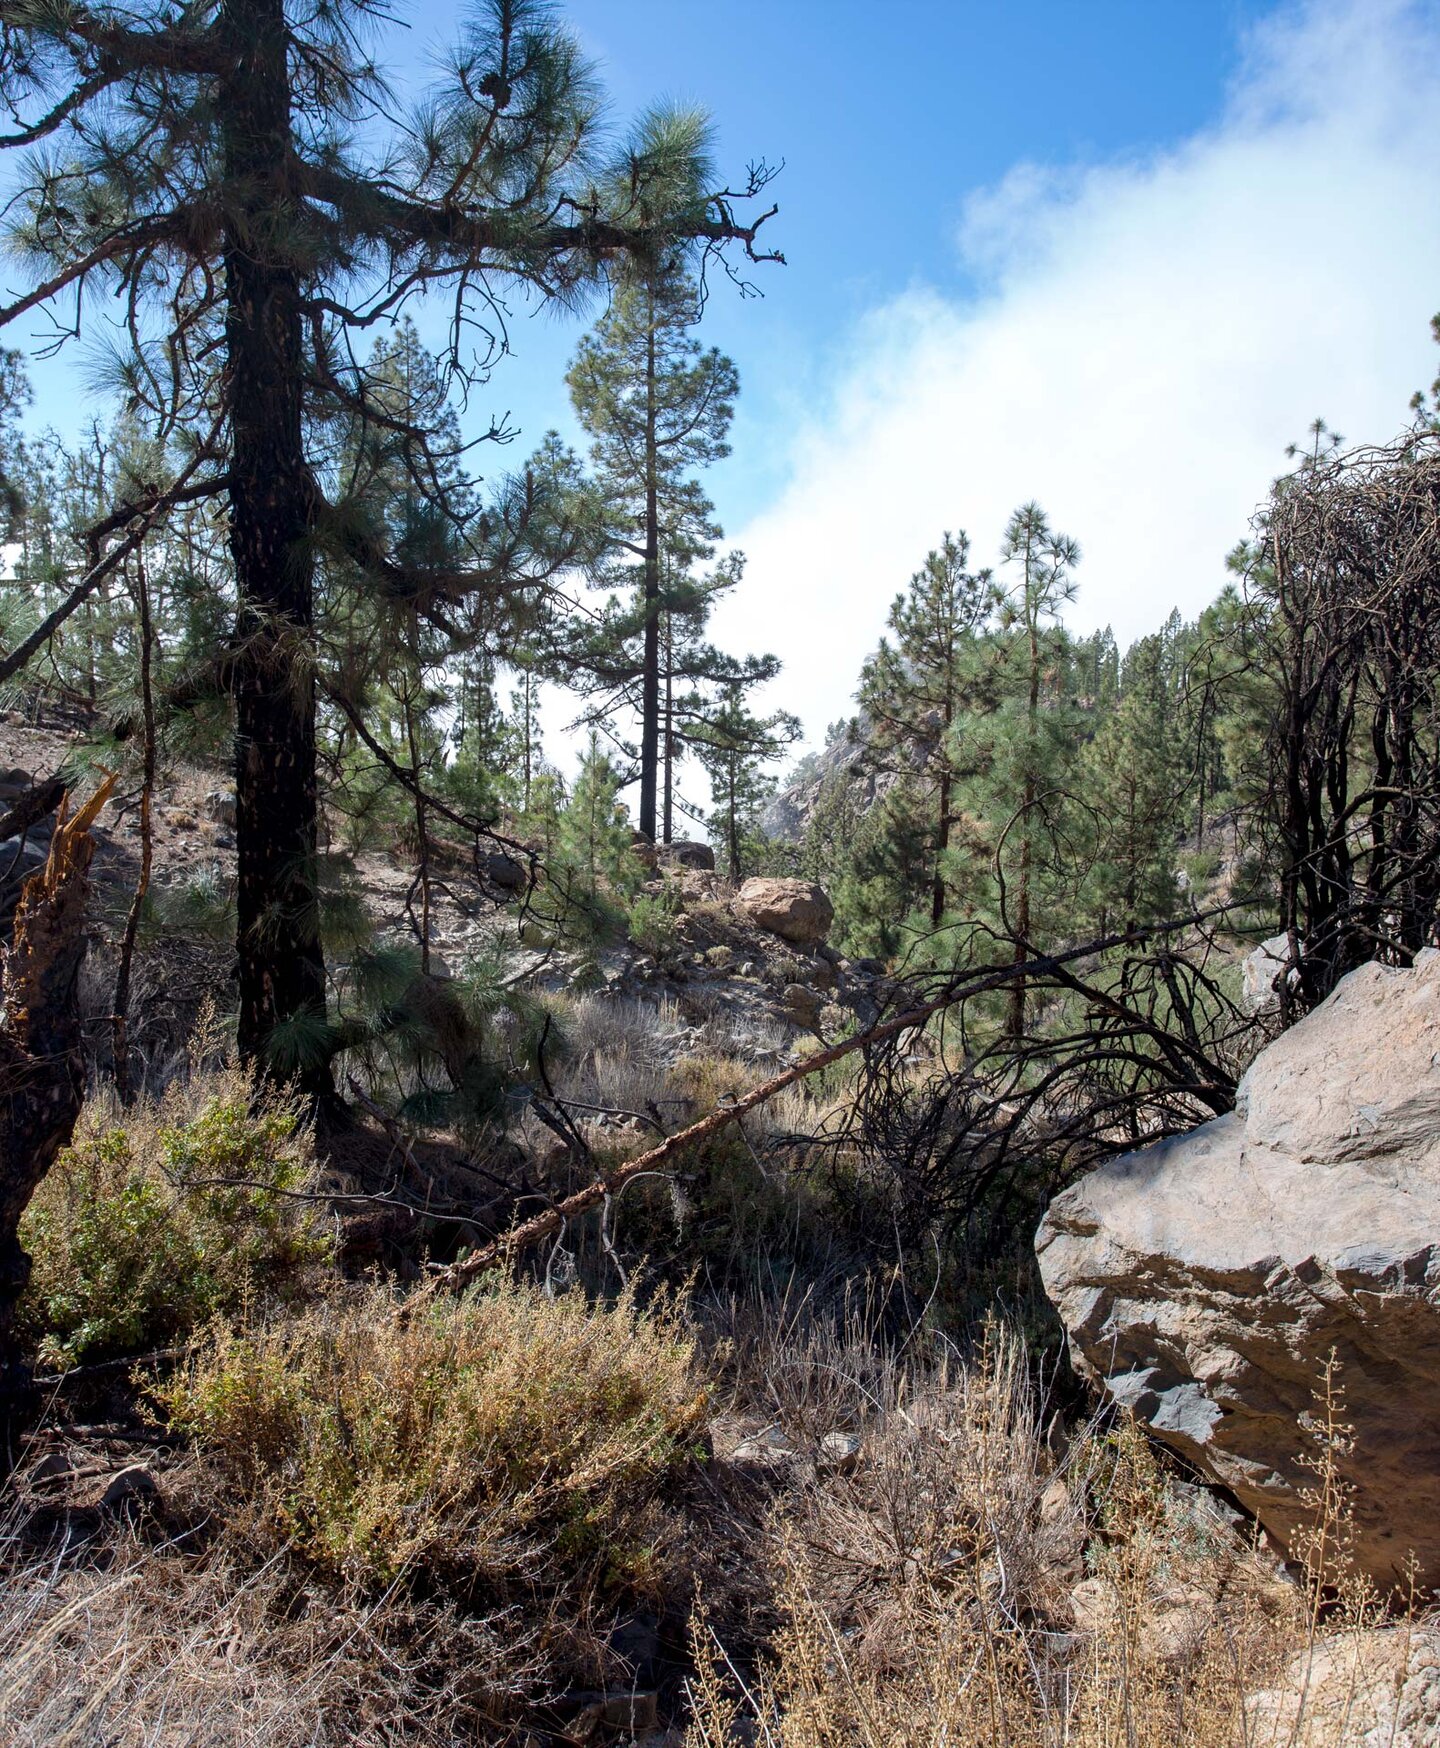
(681, 853)
(798, 911)
(1205, 1280)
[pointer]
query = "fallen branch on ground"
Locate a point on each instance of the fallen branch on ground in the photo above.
(554, 1218)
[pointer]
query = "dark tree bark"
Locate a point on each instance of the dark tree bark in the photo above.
(42, 1065)
(650, 679)
(131, 933)
(281, 969)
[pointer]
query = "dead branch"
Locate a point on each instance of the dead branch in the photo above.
(970, 984)
(42, 1071)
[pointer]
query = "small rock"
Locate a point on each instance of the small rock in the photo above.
(1259, 973)
(1054, 1501)
(130, 1495)
(636, 1640)
(766, 1450)
(801, 1003)
(52, 1466)
(838, 1454)
(1095, 1603)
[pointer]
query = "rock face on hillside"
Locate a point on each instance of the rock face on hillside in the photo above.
(797, 910)
(1206, 1279)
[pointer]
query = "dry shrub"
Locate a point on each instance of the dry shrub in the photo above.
(480, 1439)
(164, 1214)
(938, 1593)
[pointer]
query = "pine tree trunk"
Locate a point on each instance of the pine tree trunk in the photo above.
(942, 824)
(422, 832)
(732, 826)
(281, 970)
(147, 835)
(650, 676)
(667, 827)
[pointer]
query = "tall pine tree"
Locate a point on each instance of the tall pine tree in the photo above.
(237, 175)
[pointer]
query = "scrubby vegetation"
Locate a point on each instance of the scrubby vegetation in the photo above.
(158, 1218)
(475, 1264)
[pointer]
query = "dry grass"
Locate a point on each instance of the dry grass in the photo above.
(968, 1584)
(435, 1516)
(132, 1645)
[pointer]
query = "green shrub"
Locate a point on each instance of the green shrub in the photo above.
(157, 1218)
(461, 1436)
(652, 920)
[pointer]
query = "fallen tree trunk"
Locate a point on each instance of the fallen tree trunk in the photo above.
(42, 1070)
(552, 1220)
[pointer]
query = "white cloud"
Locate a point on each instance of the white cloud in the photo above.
(1148, 337)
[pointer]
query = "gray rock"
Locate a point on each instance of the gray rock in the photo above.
(506, 872)
(681, 854)
(838, 1453)
(130, 1495)
(1206, 1280)
(1259, 972)
(1375, 1688)
(220, 806)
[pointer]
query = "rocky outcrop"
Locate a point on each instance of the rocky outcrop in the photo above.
(1207, 1279)
(798, 911)
(1376, 1688)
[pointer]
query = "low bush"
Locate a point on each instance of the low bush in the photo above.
(471, 1438)
(652, 922)
(159, 1217)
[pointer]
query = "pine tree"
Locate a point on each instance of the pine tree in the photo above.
(657, 406)
(735, 746)
(237, 174)
(1024, 737)
(914, 690)
(595, 846)
(1133, 781)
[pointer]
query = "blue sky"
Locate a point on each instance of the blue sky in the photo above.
(886, 121)
(1112, 254)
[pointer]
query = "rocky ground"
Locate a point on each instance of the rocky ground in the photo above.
(752, 966)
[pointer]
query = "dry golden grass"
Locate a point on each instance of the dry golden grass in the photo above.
(433, 1515)
(965, 1585)
(134, 1645)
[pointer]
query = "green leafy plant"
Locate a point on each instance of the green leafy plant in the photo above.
(653, 918)
(157, 1218)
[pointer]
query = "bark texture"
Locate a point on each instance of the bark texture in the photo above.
(42, 1069)
(281, 969)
